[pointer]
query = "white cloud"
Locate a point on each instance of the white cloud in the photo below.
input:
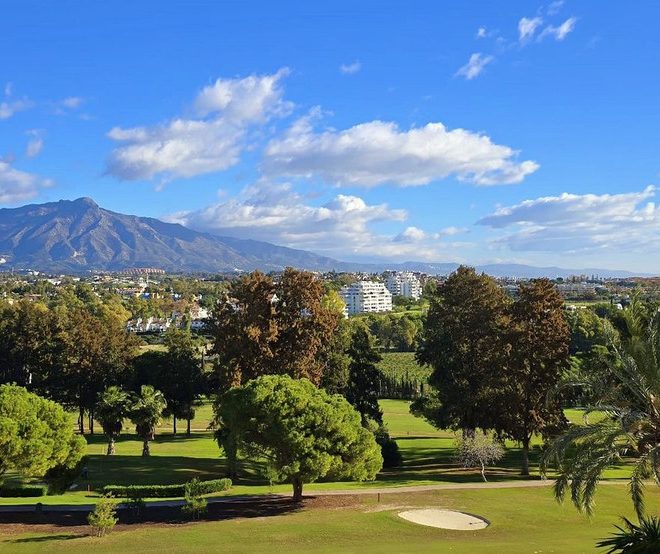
(71, 102)
(342, 227)
(35, 144)
(213, 141)
(554, 7)
(416, 235)
(581, 223)
(475, 65)
(9, 108)
(559, 32)
(251, 99)
(482, 32)
(351, 68)
(9, 89)
(378, 152)
(17, 186)
(527, 28)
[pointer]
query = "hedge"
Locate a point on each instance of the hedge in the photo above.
(15, 491)
(164, 491)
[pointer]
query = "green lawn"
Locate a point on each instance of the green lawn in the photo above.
(522, 521)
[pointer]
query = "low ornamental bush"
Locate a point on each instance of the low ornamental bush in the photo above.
(23, 491)
(165, 491)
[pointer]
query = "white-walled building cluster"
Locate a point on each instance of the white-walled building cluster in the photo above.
(366, 296)
(404, 283)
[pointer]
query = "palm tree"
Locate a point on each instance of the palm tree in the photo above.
(146, 414)
(630, 402)
(111, 409)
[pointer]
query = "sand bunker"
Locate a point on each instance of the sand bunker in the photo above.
(445, 519)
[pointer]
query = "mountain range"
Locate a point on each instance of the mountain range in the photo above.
(75, 236)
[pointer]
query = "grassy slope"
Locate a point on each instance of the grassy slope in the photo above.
(522, 521)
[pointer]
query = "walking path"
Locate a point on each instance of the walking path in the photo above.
(343, 492)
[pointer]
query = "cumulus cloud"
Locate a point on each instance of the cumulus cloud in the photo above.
(341, 227)
(475, 66)
(17, 186)
(378, 152)
(527, 28)
(211, 141)
(416, 235)
(559, 33)
(351, 68)
(581, 223)
(71, 102)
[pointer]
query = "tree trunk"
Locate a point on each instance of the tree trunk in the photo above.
(188, 427)
(91, 422)
(525, 457)
(174, 424)
(145, 448)
(297, 489)
(111, 446)
(81, 420)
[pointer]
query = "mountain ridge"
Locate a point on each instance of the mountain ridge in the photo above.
(78, 236)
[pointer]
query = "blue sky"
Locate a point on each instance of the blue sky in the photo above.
(443, 131)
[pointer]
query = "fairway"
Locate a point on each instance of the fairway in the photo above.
(522, 521)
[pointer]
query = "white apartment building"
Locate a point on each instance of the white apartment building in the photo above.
(366, 296)
(405, 284)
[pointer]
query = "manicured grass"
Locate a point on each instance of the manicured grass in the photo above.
(427, 454)
(522, 521)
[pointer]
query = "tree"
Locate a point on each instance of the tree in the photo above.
(104, 516)
(93, 354)
(463, 341)
(302, 432)
(364, 375)
(265, 328)
(113, 407)
(181, 379)
(631, 426)
(35, 434)
(146, 414)
(478, 450)
(538, 357)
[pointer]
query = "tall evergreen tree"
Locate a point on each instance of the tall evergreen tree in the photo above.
(539, 338)
(464, 343)
(364, 375)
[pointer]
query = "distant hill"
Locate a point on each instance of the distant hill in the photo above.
(77, 235)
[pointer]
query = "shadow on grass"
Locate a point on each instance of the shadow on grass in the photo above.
(46, 538)
(231, 508)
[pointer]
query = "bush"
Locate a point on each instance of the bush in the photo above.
(165, 491)
(23, 491)
(104, 516)
(60, 478)
(195, 504)
(389, 449)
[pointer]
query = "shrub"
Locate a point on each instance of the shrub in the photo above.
(104, 516)
(23, 491)
(165, 491)
(60, 478)
(195, 504)
(640, 539)
(389, 448)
